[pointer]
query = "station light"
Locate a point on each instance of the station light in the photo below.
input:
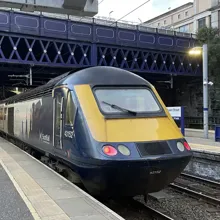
(195, 52)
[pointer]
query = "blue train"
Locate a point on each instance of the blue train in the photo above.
(104, 127)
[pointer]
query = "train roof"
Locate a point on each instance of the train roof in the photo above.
(103, 75)
(100, 75)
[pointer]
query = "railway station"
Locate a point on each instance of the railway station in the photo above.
(57, 63)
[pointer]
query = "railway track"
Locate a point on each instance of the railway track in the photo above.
(132, 209)
(205, 181)
(158, 214)
(199, 193)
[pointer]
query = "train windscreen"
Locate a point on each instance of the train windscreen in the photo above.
(133, 100)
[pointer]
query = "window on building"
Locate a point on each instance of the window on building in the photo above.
(186, 13)
(179, 16)
(201, 23)
(165, 21)
(184, 28)
(158, 24)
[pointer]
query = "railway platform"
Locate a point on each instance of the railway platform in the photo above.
(205, 145)
(198, 143)
(31, 190)
(206, 157)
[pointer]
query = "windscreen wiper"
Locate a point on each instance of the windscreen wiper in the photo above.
(120, 108)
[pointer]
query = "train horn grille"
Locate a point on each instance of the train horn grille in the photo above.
(154, 148)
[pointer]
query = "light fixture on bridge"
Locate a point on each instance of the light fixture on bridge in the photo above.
(195, 51)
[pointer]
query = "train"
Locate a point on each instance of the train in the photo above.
(103, 127)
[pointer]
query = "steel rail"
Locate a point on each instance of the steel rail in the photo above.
(211, 182)
(195, 194)
(159, 214)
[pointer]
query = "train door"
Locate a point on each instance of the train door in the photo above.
(11, 120)
(1, 118)
(58, 117)
(69, 135)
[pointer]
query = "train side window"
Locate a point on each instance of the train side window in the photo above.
(5, 113)
(70, 110)
(1, 113)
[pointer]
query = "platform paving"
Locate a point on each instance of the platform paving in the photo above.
(12, 206)
(46, 195)
(203, 145)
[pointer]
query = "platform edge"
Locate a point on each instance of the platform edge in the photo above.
(84, 193)
(21, 193)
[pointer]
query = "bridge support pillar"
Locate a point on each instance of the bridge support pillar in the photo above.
(94, 55)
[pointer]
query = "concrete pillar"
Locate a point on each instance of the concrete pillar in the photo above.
(195, 10)
(195, 4)
(208, 21)
(195, 25)
(214, 19)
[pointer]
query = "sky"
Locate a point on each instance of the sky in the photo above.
(152, 9)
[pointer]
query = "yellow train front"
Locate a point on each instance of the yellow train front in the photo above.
(129, 143)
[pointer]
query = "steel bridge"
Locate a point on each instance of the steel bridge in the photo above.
(42, 41)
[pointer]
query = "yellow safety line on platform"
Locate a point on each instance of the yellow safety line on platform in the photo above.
(205, 147)
(21, 193)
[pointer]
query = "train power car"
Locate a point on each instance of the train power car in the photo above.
(106, 127)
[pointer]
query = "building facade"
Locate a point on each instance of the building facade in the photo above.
(190, 17)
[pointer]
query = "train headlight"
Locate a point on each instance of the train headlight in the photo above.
(109, 150)
(124, 150)
(180, 146)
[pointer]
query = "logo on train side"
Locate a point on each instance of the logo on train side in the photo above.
(69, 134)
(45, 138)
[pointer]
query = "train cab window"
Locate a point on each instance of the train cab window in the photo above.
(70, 110)
(117, 100)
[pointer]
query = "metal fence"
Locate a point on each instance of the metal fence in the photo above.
(197, 122)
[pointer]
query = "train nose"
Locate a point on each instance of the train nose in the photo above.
(163, 172)
(135, 178)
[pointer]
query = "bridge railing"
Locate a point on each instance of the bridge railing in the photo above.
(111, 22)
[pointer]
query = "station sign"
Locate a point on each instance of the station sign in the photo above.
(177, 113)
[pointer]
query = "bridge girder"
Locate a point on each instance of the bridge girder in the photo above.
(70, 7)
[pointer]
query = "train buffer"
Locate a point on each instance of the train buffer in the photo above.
(31, 190)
